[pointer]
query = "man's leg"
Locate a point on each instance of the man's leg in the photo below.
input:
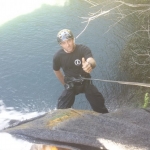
(66, 99)
(95, 99)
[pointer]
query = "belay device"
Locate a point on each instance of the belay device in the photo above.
(71, 81)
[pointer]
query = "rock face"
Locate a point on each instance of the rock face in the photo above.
(124, 129)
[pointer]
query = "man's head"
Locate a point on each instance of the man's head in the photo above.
(66, 40)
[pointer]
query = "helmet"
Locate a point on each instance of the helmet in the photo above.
(63, 35)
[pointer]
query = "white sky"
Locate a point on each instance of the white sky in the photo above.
(10, 9)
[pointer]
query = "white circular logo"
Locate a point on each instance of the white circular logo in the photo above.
(77, 62)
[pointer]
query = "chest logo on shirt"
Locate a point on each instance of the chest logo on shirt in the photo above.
(77, 62)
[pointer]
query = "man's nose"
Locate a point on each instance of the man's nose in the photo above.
(67, 43)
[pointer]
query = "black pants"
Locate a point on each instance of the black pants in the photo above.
(92, 94)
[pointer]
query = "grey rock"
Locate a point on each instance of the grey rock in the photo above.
(124, 129)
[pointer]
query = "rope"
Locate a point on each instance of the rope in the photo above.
(80, 79)
(120, 82)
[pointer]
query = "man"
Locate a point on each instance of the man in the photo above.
(76, 62)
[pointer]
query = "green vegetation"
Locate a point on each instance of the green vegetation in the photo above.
(146, 100)
(134, 16)
(135, 57)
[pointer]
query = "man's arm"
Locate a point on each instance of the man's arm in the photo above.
(60, 76)
(88, 65)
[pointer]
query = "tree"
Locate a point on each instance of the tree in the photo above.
(136, 15)
(135, 57)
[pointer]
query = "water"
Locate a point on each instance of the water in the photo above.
(28, 86)
(9, 115)
(28, 44)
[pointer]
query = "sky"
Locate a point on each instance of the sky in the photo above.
(10, 9)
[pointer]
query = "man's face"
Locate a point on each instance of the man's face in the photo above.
(68, 45)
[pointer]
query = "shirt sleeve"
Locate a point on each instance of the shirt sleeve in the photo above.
(87, 52)
(56, 63)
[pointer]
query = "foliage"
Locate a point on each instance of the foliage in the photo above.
(135, 57)
(135, 15)
(146, 100)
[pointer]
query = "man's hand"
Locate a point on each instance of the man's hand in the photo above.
(86, 66)
(60, 76)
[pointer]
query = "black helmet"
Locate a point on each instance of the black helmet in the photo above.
(63, 35)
